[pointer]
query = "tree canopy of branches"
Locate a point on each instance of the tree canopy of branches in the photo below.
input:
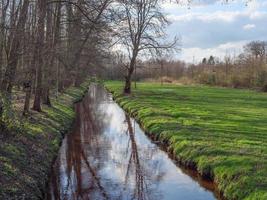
(141, 30)
(49, 45)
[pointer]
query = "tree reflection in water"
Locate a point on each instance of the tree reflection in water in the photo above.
(86, 151)
(78, 174)
(107, 156)
(141, 190)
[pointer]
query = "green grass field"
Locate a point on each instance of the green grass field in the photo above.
(223, 132)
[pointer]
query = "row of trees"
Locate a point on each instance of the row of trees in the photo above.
(247, 70)
(47, 45)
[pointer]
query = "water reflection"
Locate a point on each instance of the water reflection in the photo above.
(107, 156)
(143, 176)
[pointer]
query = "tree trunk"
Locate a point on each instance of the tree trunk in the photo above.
(128, 78)
(77, 46)
(135, 77)
(28, 89)
(39, 52)
(57, 43)
(1, 113)
(13, 56)
(161, 73)
(50, 44)
(1, 64)
(2, 35)
(46, 97)
(38, 92)
(77, 81)
(127, 87)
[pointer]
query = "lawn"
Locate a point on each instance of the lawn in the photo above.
(221, 132)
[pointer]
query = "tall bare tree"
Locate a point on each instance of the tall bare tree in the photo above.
(39, 52)
(4, 6)
(142, 30)
(15, 45)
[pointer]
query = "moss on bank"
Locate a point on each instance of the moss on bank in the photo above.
(220, 132)
(27, 151)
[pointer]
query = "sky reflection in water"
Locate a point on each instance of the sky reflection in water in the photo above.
(107, 156)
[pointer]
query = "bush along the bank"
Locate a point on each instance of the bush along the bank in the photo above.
(220, 132)
(27, 151)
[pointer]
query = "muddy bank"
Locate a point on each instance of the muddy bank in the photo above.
(26, 153)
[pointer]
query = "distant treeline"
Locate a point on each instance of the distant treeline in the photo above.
(247, 70)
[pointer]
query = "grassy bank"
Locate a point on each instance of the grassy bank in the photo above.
(28, 148)
(220, 132)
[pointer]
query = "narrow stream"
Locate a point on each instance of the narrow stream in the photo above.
(108, 156)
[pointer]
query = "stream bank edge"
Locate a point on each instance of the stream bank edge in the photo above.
(26, 155)
(126, 102)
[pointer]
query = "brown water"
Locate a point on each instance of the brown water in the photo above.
(108, 156)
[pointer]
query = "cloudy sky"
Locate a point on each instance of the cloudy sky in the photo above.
(212, 27)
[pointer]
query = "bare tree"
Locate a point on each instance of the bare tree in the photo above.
(29, 70)
(256, 48)
(3, 6)
(39, 52)
(142, 30)
(15, 45)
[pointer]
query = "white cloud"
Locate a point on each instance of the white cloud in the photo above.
(185, 3)
(206, 17)
(219, 16)
(258, 15)
(217, 29)
(249, 26)
(197, 53)
(232, 45)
